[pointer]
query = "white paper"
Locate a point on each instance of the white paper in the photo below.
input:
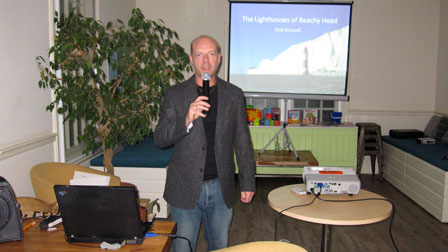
(85, 178)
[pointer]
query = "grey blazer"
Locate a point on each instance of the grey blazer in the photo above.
(186, 168)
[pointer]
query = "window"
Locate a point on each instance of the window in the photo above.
(324, 107)
(84, 7)
(73, 128)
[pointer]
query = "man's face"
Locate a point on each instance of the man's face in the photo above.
(205, 57)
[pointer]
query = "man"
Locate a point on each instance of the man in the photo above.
(200, 181)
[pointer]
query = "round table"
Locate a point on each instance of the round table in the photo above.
(330, 213)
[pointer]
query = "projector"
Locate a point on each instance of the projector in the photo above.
(331, 180)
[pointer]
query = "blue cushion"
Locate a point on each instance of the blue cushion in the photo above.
(142, 154)
(431, 153)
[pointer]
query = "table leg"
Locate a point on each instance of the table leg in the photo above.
(326, 238)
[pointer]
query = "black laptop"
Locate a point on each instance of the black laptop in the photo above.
(101, 213)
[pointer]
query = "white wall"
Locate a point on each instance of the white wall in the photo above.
(191, 19)
(111, 10)
(442, 73)
(27, 129)
(25, 34)
(393, 57)
(393, 64)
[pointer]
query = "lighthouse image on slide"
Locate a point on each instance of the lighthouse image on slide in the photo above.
(325, 55)
(315, 66)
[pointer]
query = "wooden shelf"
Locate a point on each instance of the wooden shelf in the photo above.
(284, 158)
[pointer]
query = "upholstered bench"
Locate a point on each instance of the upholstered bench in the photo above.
(420, 171)
(143, 165)
(432, 153)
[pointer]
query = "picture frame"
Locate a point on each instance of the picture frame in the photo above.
(310, 116)
(294, 116)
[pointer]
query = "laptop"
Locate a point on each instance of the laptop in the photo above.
(94, 214)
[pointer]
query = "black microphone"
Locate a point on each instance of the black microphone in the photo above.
(206, 87)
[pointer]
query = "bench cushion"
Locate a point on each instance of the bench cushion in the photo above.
(143, 154)
(431, 153)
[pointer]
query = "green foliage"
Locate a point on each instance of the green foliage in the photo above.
(149, 60)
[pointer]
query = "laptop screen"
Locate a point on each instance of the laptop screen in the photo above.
(100, 213)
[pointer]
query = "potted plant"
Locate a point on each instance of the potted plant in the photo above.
(148, 60)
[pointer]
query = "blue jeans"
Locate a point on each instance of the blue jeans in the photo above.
(212, 210)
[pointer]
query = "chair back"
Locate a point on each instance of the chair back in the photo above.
(45, 175)
(265, 246)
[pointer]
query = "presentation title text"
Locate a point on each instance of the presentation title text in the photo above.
(287, 20)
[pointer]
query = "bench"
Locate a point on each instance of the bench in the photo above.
(420, 171)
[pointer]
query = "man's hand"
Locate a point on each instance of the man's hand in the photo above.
(246, 197)
(196, 109)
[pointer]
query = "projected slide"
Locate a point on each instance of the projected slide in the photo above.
(289, 47)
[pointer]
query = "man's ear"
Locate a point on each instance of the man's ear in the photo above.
(218, 65)
(191, 58)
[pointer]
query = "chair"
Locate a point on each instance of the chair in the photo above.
(265, 246)
(45, 175)
(30, 206)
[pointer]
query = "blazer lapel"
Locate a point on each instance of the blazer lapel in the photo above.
(222, 102)
(190, 90)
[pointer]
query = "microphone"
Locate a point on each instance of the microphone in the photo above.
(205, 84)
(206, 87)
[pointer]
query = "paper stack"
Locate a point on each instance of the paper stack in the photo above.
(84, 178)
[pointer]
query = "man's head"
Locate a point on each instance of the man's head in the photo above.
(205, 57)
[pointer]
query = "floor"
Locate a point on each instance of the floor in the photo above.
(413, 229)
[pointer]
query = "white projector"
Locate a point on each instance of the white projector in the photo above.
(331, 180)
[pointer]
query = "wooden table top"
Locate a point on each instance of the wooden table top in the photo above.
(284, 158)
(39, 240)
(331, 213)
